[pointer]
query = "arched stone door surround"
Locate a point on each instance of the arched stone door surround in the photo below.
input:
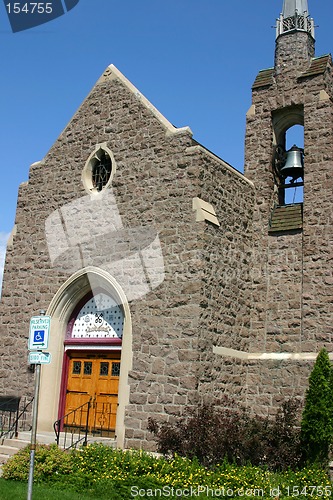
(61, 308)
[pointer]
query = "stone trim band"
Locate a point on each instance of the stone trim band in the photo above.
(264, 356)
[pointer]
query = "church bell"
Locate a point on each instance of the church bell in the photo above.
(294, 164)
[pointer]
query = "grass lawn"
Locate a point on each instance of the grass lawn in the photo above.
(15, 490)
(100, 472)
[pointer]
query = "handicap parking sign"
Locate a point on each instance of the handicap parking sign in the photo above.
(39, 332)
(39, 336)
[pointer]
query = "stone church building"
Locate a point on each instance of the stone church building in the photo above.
(170, 277)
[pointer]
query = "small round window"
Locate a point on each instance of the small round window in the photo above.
(99, 169)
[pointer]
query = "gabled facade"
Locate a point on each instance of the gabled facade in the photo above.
(169, 276)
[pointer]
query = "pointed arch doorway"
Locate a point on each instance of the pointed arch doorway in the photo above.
(90, 323)
(92, 364)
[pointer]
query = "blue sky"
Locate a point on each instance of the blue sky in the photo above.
(195, 60)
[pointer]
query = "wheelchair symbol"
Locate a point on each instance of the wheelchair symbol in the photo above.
(39, 335)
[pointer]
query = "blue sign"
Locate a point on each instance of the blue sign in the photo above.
(39, 332)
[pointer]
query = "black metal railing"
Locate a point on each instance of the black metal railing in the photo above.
(104, 419)
(13, 416)
(73, 427)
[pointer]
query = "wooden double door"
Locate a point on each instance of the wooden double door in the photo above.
(94, 378)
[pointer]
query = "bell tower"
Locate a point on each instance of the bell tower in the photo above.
(292, 250)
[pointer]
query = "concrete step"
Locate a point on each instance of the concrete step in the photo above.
(16, 442)
(8, 450)
(42, 438)
(12, 446)
(106, 441)
(49, 438)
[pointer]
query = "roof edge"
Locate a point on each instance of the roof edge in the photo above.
(198, 148)
(112, 73)
(264, 78)
(318, 66)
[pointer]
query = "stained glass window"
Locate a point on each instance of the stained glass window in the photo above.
(100, 317)
(76, 367)
(101, 169)
(115, 369)
(104, 369)
(87, 369)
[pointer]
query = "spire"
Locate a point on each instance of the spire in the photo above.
(295, 17)
(291, 7)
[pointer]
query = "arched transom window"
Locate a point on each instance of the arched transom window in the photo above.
(100, 317)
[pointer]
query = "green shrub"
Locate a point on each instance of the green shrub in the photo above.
(50, 462)
(317, 417)
(212, 434)
(98, 471)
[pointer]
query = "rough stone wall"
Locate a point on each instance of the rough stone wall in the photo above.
(318, 217)
(293, 52)
(211, 307)
(281, 313)
(227, 253)
(258, 168)
(271, 382)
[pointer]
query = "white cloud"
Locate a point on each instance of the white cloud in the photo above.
(3, 242)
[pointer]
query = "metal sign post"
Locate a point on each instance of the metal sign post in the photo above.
(38, 339)
(33, 433)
